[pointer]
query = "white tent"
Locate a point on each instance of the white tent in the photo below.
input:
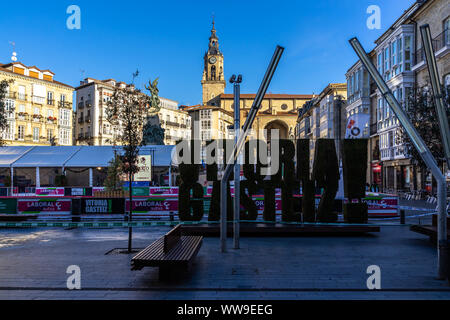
(74, 157)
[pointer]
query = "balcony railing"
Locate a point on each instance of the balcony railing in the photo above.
(64, 104)
(50, 102)
(439, 42)
(87, 119)
(88, 104)
(11, 95)
(173, 124)
(38, 100)
(22, 96)
(80, 105)
(373, 128)
(80, 120)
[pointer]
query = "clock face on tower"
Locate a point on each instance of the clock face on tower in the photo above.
(212, 60)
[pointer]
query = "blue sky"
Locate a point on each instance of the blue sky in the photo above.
(167, 39)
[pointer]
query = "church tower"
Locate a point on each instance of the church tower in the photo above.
(213, 81)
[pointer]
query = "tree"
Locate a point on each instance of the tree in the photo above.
(4, 84)
(126, 112)
(114, 173)
(421, 110)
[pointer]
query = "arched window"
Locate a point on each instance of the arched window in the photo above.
(213, 73)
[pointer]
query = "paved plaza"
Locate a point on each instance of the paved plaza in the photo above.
(33, 265)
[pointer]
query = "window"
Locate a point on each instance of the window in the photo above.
(37, 111)
(49, 135)
(63, 98)
(50, 100)
(36, 134)
(20, 133)
(408, 53)
(22, 108)
(446, 28)
(9, 108)
(22, 95)
(64, 137)
(380, 63)
(206, 124)
(49, 112)
(400, 54)
(64, 117)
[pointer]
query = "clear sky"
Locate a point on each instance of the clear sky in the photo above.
(167, 39)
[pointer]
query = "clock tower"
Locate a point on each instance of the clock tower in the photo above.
(213, 80)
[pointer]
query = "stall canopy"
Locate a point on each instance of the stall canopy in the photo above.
(9, 155)
(75, 156)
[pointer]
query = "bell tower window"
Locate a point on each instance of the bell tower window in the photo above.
(213, 73)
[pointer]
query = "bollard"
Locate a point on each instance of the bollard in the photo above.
(402, 216)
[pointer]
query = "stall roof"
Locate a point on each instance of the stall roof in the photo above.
(74, 156)
(9, 155)
(49, 157)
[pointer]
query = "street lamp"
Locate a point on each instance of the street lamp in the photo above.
(236, 81)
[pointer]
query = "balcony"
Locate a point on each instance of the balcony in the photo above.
(80, 136)
(38, 100)
(80, 105)
(11, 95)
(88, 103)
(22, 96)
(173, 124)
(50, 102)
(440, 42)
(87, 119)
(373, 129)
(22, 116)
(65, 104)
(80, 120)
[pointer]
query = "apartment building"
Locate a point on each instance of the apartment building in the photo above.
(175, 122)
(39, 108)
(400, 60)
(323, 117)
(92, 126)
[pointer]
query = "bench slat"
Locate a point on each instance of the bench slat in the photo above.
(183, 251)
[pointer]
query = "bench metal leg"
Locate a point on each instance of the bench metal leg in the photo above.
(172, 273)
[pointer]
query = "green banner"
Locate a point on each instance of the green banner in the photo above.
(8, 206)
(139, 191)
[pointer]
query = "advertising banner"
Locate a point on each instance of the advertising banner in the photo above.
(8, 206)
(145, 168)
(51, 192)
(102, 206)
(164, 191)
(153, 205)
(44, 206)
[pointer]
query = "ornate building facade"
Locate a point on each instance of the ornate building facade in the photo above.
(216, 113)
(39, 108)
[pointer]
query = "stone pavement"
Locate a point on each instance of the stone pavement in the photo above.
(33, 265)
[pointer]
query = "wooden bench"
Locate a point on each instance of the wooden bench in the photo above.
(431, 230)
(173, 253)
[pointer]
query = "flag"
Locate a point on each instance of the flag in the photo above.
(356, 125)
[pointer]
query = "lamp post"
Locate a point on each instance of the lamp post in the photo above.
(422, 149)
(236, 81)
(240, 142)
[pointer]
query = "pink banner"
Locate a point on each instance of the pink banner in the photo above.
(164, 190)
(49, 192)
(44, 205)
(153, 205)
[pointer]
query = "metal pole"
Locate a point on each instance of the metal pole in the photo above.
(421, 147)
(240, 143)
(437, 91)
(237, 165)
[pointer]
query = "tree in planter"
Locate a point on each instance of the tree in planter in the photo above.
(4, 85)
(127, 112)
(421, 110)
(113, 180)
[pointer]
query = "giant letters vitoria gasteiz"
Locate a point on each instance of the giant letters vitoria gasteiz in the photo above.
(293, 172)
